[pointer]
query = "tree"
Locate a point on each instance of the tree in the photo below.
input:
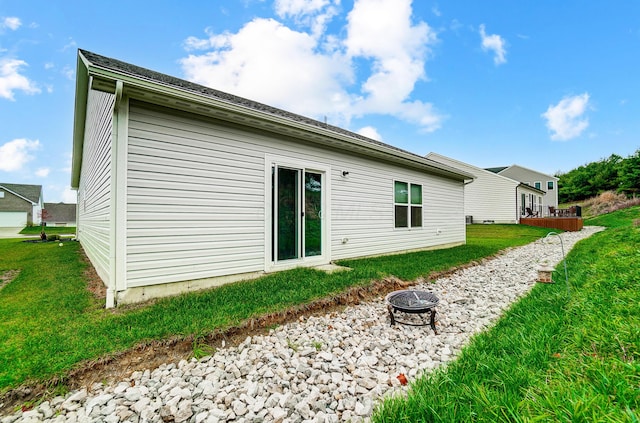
(44, 215)
(611, 174)
(629, 174)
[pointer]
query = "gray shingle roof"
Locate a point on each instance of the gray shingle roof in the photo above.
(60, 212)
(30, 192)
(157, 77)
(496, 169)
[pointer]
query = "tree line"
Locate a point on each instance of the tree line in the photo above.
(615, 173)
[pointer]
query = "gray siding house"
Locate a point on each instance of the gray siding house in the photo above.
(182, 187)
(539, 180)
(60, 214)
(493, 197)
(20, 205)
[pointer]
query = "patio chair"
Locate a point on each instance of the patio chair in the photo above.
(552, 211)
(531, 213)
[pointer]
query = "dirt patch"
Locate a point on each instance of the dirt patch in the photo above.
(7, 276)
(94, 283)
(152, 354)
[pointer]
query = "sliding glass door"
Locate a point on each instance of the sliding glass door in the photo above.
(297, 203)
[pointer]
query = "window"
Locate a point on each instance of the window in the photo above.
(1, 194)
(549, 184)
(538, 185)
(407, 205)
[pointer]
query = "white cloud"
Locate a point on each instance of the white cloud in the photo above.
(195, 43)
(10, 22)
(268, 62)
(314, 14)
(565, 119)
(370, 132)
(57, 193)
(43, 172)
(311, 71)
(11, 80)
(70, 45)
(494, 43)
(69, 195)
(15, 154)
(69, 73)
(381, 31)
(299, 7)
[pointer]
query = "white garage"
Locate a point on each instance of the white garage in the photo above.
(13, 219)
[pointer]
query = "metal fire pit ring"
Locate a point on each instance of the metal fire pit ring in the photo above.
(412, 302)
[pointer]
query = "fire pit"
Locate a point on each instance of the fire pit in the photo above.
(412, 302)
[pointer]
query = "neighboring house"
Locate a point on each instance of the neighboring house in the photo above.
(60, 214)
(492, 197)
(536, 179)
(182, 187)
(20, 205)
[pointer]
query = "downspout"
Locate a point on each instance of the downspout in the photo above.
(464, 205)
(111, 289)
(517, 208)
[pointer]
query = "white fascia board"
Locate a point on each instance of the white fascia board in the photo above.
(104, 80)
(79, 118)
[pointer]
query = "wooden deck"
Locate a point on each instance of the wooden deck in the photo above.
(564, 223)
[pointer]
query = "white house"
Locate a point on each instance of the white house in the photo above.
(182, 187)
(20, 205)
(538, 180)
(493, 197)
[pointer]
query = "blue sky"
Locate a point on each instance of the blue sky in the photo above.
(544, 84)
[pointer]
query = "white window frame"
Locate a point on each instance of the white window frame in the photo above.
(552, 185)
(305, 165)
(537, 184)
(409, 205)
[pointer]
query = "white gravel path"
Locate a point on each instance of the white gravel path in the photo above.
(319, 369)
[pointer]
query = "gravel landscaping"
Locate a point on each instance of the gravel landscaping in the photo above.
(327, 368)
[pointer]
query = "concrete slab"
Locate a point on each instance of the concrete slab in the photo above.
(331, 268)
(10, 233)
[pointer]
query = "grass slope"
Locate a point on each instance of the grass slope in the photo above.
(551, 357)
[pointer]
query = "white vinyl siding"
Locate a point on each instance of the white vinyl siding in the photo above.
(520, 173)
(363, 212)
(196, 205)
(95, 182)
(489, 197)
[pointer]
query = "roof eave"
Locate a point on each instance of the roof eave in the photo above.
(523, 185)
(79, 118)
(103, 79)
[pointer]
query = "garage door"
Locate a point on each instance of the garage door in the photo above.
(13, 219)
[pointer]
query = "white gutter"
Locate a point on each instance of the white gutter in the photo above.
(113, 214)
(133, 81)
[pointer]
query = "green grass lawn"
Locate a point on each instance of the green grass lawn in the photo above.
(49, 230)
(551, 357)
(50, 322)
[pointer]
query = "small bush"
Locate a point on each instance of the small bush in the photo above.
(53, 237)
(608, 202)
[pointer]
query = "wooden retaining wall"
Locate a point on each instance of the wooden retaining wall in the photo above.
(564, 223)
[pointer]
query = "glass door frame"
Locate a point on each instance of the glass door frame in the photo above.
(270, 213)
